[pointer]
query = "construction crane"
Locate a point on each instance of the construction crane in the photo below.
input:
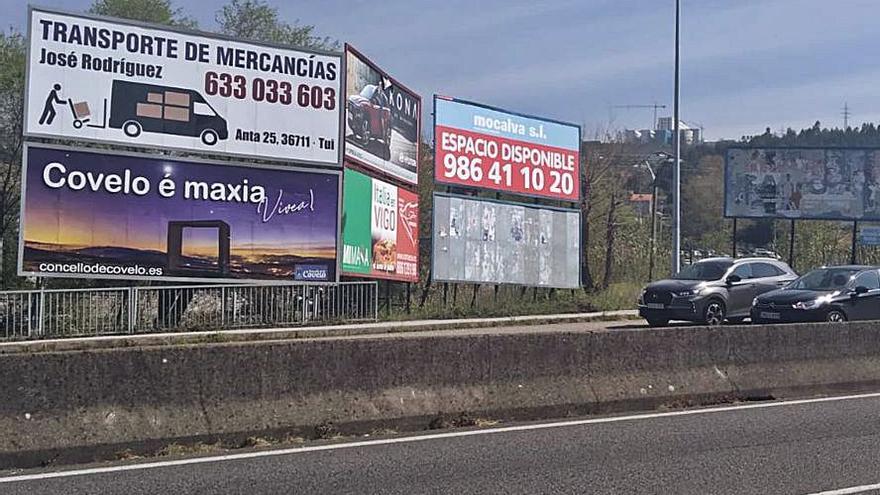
(654, 106)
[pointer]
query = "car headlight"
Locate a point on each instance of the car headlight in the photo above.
(686, 293)
(815, 303)
(754, 302)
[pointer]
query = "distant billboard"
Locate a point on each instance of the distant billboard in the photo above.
(486, 241)
(102, 215)
(128, 83)
(383, 120)
(380, 229)
(807, 183)
(488, 148)
(869, 235)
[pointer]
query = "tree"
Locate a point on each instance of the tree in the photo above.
(12, 68)
(155, 11)
(258, 21)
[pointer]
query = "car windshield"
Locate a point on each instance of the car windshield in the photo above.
(824, 279)
(704, 270)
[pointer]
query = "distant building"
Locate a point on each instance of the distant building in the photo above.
(641, 204)
(689, 135)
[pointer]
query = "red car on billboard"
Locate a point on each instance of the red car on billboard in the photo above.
(369, 117)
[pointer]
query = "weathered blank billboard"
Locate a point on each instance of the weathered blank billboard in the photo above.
(102, 215)
(807, 183)
(123, 82)
(486, 241)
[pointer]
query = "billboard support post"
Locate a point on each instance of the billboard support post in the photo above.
(791, 245)
(734, 238)
(426, 289)
(853, 259)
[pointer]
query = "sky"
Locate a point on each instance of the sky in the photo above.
(745, 64)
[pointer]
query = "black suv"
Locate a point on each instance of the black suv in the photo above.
(712, 290)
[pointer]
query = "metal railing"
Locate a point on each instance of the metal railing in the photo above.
(82, 312)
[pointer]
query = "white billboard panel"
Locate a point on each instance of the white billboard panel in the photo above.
(124, 83)
(486, 241)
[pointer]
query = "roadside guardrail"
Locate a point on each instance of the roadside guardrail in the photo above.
(30, 314)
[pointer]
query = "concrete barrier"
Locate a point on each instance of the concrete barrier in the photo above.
(57, 406)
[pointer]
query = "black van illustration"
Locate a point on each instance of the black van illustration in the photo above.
(138, 107)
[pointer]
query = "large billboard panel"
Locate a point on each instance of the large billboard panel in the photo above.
(101, 215)
(380, 229)
(486, 241)
(383, 120)
(119, 82)
(807, 183)
(489, 148)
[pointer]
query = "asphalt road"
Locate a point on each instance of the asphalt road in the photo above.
(793, 448)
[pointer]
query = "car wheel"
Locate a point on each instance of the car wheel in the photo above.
(835, 316)
(209, 137)
(365, 132)
(713, 315)
(657, 322)
(132, 128)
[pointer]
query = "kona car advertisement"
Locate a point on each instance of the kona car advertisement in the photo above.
(809, 183)
(383, 120)
(489, 148)
(101, 215)
(380, 229)
(113, 82)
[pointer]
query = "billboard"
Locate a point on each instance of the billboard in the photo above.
(383, 120)
(101, 215)
(486, 241)
(869, 235)
(488, 148)
(380, 229)
(808, 183)
(93, 79)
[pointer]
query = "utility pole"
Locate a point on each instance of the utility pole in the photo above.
(676, 171)
(846, 113)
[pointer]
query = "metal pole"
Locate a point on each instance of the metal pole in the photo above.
(653, 231)
(676, 174)
(855, 233)
(791, 245)
(734, 239)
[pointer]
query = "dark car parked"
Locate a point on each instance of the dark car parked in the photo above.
(369, 117)
(712, 290)
(838, 293)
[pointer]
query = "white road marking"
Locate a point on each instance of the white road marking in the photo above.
(433, 436)
(850, 491)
